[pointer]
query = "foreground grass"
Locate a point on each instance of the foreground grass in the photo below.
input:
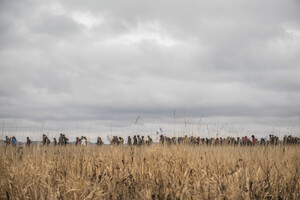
(156, 172)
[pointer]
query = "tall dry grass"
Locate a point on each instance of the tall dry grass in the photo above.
(156, 172)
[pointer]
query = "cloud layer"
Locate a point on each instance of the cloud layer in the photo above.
(106, 62)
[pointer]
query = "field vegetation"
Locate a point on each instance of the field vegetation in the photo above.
(150, 172)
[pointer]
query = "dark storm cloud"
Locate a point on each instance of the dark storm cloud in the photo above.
(112, 61)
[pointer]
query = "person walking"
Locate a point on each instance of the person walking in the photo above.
(99, 141)
(83, 141)
(14, 141)
(28, 142)
(129, 141)
(134, 140)
(7, 140)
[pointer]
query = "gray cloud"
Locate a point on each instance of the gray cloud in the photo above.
(59, 26)
(109, 62)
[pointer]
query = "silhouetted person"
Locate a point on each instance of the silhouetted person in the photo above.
(121, 140)
(134, 140)
(253, 140)
(129, 142)
(149, 141)
(99, 141)
(7, 140)
(28, 142)
(46, 140)
(77, 143)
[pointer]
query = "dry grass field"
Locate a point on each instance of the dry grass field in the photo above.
(155, 172)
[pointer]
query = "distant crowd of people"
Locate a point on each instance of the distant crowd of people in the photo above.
(136, 140)
(241, 141)
(62, 140)
(164, 140)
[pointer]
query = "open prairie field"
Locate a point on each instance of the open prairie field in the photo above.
(150, 172)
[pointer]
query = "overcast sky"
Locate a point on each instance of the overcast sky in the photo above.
(93, 67)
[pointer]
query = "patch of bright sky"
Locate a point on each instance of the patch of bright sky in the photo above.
(87, 19)
(151, 32)
(147, 32)
(293, 32)
(84, 18)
